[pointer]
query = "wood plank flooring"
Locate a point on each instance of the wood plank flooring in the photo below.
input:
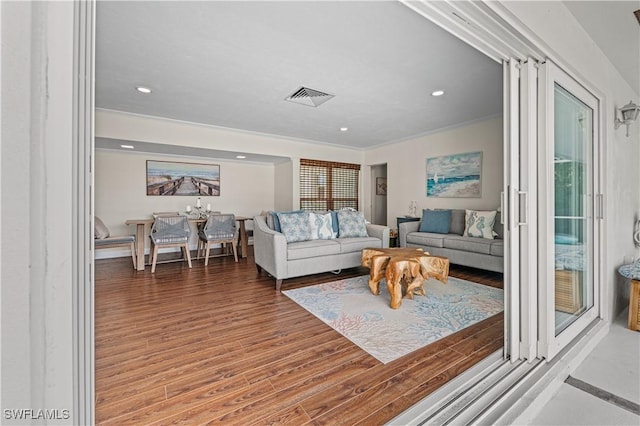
(219, 345)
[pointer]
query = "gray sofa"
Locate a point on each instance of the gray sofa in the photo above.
(467, 251)
(287, 260)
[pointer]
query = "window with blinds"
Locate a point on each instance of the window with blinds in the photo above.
(326, 185)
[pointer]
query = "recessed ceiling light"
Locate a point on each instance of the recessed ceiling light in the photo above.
(241, 157)
(127, 146)
(143, 89)
(344, 129)
(437, 93)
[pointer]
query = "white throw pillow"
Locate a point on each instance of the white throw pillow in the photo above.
(100, 230)
(479, 224)
(321, 226)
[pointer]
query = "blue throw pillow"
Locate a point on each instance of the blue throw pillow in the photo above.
(334, 222)
(435, 221)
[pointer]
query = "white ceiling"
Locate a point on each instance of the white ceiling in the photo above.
(231, 64)
(614, 28)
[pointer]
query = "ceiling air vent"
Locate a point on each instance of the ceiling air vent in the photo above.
(310, 97)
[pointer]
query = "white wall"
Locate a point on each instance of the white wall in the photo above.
(572, 49)
(283, 186)
(36, 197)
(117, 125)
(133, 127)
(120, 191)
(406, 167)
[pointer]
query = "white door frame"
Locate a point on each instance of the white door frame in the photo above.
(549, 344)
(83, 207)
(492, 32)
(509, 209)
(528, 231)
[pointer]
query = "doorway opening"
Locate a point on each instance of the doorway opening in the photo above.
(379, 194)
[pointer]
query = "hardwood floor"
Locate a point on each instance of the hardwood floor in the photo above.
(218, 344)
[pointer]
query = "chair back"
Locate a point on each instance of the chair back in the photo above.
(156, 214)
(170, 228)
(220, 227)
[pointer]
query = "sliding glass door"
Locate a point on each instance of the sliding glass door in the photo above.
(573, 236)
(568, 266)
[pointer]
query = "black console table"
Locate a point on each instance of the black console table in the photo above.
(394, 238)
(403, 219)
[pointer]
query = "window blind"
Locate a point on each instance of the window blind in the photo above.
(326, 185)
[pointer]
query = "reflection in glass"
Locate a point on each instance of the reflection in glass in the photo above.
(573, 141)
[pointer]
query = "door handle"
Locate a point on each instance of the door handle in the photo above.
(520, 208)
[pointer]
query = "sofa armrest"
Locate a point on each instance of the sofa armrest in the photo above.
(269, 248)
(404, 229)
(379, 231)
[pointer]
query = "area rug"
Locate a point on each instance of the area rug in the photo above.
(349, 307)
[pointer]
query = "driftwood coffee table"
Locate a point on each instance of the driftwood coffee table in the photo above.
(403, 267)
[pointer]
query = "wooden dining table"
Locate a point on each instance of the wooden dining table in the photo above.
(143, 224)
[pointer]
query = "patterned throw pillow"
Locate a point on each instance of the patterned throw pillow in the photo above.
(295, 226)
(273, 222)
(351, 224)
(320, 225)
(479, 224)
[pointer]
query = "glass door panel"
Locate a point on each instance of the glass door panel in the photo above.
(573, 142)
(567, 171)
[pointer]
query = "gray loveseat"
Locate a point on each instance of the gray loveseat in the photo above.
(287, 260)
(467, 251)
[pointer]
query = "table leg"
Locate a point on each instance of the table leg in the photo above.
(243, 239)
(377, 269)
(634, 306)
(140, 246)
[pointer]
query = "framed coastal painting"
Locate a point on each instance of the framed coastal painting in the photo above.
(455, 176)
(175, 178)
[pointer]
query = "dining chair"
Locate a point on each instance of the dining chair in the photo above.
(170, 231)
(156, 214)
(219, 229)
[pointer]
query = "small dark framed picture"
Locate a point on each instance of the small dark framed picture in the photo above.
(381, 186)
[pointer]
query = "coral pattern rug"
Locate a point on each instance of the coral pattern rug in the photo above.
(349, 307)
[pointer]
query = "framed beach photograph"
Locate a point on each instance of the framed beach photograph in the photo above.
(381, 186)
(176, 178)
(455, 176)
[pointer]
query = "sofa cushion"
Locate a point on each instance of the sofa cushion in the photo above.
(124, 239)
(351, 224)
(473, 244)
(457, 222)
(295, 226)
(426, 239)
(497, 248)
(313, 248)
(320, 226)
(436, 221)
(479, 224)
(350, 245)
